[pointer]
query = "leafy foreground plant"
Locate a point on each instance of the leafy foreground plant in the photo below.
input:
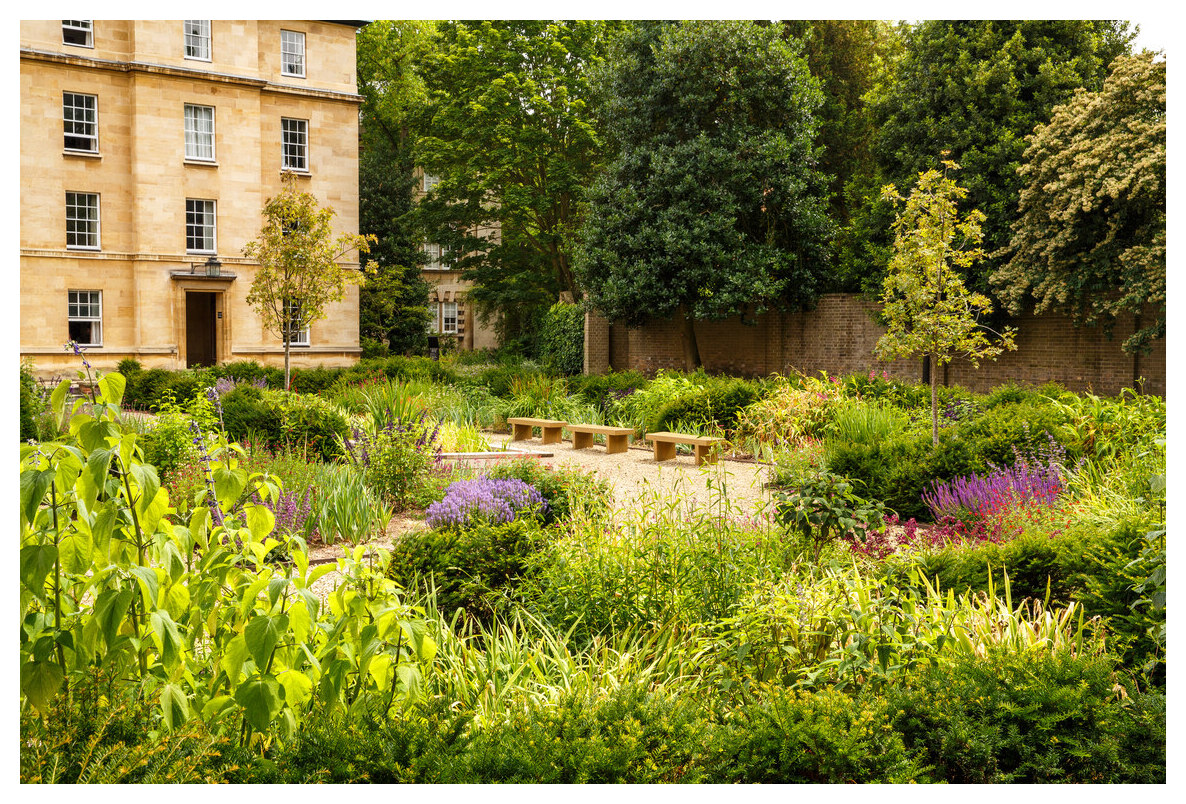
(823, 508)
(191, 615)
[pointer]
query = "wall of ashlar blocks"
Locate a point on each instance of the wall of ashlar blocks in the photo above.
(838, 337)
(142, 82)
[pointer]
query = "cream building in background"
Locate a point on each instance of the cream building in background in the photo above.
(148, 149)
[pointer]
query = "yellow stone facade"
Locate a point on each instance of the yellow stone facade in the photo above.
(153, 298)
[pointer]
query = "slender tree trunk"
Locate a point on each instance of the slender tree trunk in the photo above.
(287, 375)
(688, 339)
(934, 398)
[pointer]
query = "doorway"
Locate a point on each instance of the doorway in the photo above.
(201, 333)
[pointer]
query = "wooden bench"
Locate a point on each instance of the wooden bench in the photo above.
(549, 429)
(665, 446)
(615, 437)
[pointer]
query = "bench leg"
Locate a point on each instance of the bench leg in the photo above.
(664, 450)
(551, 435)
(615, 444)
(581, 440)
(522, 432)
(705, 454)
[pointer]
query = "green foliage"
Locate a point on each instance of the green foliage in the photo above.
(248, 417)
(712, 204)
(1021, 718)
(343, 506)
(861, 423)
(541, 396)
(977, 89)
(562, 339)
(567, 490)
(170, 443)
(928, 311)
(476, 569)
(1089, 237)
(311, 423)
(828, 737)
(512, 96)
(601, 389)
(399, 461)
(822, 507)
(716, 406)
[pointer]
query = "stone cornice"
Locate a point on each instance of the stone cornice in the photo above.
(29, 54)
(127, 256)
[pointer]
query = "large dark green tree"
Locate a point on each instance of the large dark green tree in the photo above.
(393, 304)
(508, 134)
(712, 205)
(976, 89)
(1090, 239)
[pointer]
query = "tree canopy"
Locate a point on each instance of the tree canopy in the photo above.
(712, 204)
(298, 274)
(977, 89)
(508, 134)
(1090, 238)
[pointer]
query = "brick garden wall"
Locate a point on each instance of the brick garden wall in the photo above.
(839, 334)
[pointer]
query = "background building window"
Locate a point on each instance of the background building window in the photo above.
(197, 39)
(199, 226)
(199, 132)
(80, 122)
(295, 137)
(85, 317)
(448, 318)
(82, 220)
(292, 53)
(438, 257)
(300, 336)
(78, 32)
(430, 182)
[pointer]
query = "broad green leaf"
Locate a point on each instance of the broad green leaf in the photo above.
(174, 706)
(37, 561)
(298, 687)
(75, 552)
(262, 633)
(112, 386)
(34, 485)
(233, 656)
(40, 681)
(167, 638)
(177, 600)
(229, 484)
(146, 486)
(149, 585)
(260, 697)
(57, 400)
(260, 521)
(111, 606)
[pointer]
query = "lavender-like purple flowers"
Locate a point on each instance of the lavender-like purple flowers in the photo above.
(1020, 484)
(468, 502)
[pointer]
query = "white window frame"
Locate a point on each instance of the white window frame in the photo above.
(194, 134)
(290, 54)
(196, 34)
(72, 122)
(208, 209)
(88, 311)
(430, 182)
(438, 257)
(96, 236)
(444, 327)
(300, 144)
(301, 337)
(86, 26)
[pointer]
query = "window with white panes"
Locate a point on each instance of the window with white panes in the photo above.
(300, 335)
(430, 182)
(80, 33)
(85, 316)
(199, 132)
(292, 53)
(82, 220)
(197, 39)
(448, 318)
(294, 136)
(80, 122)
(438, 257)
(199, 226)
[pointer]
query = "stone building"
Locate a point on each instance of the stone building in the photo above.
(148, 149)
(453, 315)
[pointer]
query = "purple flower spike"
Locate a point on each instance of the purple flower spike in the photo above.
(468, 502)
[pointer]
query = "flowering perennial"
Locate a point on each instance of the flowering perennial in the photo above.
(1020, 485)
(468, 502)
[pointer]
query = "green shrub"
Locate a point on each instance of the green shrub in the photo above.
(476, 569)
(1030, 719)
(248, 417)
(716, 406)
(128, 367)
(146, 388)
(399, 463)
(826, 737)
(313, 380)
(562, 339)
(312, 423)
(565, 489)
(169, 445)
(600, 389)
(248, 371)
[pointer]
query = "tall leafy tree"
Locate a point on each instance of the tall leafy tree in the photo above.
(977, 89)
(712, 205)
(393, 304)
(1090, 238)
(928, 310)
(508, 133)
(299, 274)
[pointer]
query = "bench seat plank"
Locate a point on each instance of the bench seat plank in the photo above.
(549, 429)
(665, 446)
(615, 437)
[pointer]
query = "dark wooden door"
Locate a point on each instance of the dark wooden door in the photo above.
(201, 344)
